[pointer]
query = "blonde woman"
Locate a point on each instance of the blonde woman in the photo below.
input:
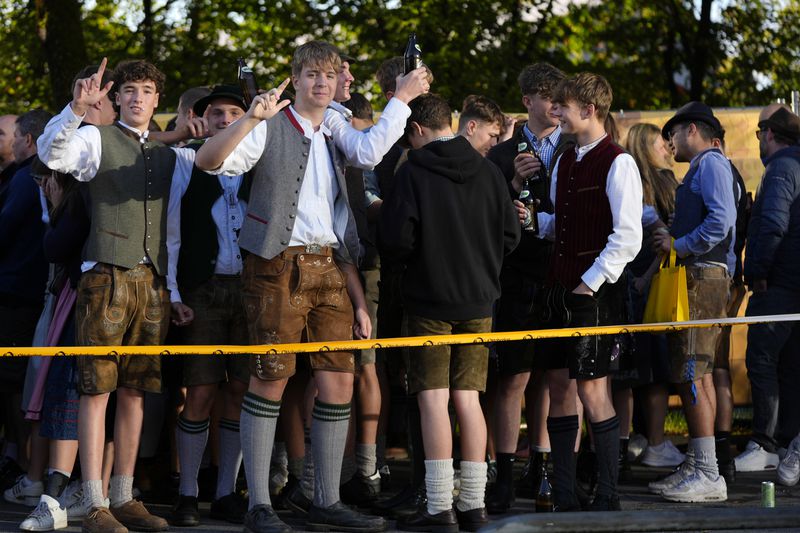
(652, 156)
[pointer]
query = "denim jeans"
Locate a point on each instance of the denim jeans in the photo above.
(773, 367)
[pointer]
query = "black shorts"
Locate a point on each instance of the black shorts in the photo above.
(586, 356)
(519, 310)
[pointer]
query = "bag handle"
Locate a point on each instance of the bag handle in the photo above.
(671, 259)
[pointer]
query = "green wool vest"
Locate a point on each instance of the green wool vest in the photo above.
(129, 195)
(199, 244)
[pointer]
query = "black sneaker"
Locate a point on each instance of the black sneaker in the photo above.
(361, 490)
(500, 498)
(230, 508)
(605, 503)
(444, 522)
(9, 472)
(472, 520)
(262, 519)
(185, 512)
(297, 502)
(339, 517)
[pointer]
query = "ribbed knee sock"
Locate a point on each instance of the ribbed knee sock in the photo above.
(328, 434)
(257, 427)
(230, 456)
(606, 443)
(190, 438)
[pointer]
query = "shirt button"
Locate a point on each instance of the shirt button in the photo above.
(238, 257)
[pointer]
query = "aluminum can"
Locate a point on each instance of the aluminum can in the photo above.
(767, 494)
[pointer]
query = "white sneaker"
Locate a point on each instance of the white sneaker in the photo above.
(697, 487)
(80, 508)
(789, 468)
(49, 515)
(24, 492)
(660, 485)
(755, 459)
(664, 454)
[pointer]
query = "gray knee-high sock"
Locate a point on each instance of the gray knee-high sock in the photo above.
(328, 434)
(191, 438)
(366, 459)
(230, 457)
(258, 422)
(606, 445)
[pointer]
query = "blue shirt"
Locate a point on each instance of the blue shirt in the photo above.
(545, 146)
(713, 181)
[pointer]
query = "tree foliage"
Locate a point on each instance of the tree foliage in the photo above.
(656, 54)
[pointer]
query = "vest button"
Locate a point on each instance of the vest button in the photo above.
(305, 154)
(288, 228)
(291, 216)
(298, 179)
(301, 166)
(284, 243)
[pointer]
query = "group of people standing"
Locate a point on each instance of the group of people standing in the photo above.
(301, 218)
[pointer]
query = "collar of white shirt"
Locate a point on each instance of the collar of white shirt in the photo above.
(583, 150)
(142, 134)
(308, 127)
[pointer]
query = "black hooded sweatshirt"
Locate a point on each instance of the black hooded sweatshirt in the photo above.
(451, 221)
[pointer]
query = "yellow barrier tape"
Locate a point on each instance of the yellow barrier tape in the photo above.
(399, 342)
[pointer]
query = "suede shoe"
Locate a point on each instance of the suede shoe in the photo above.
(444, 522)
(339, 517)
(134, 515)
(262, 519)
(500, 498)
(472, 520)
(230, 508)
(603, 502)
(361, 490)
(298, 503)
(185, 512)
(100, 520)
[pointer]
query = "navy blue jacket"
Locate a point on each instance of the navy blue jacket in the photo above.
(773, 236)
(23, 268)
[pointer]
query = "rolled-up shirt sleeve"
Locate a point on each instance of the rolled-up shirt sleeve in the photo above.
(624, 191)
(714, 182)
(365, 149)
(67, 148)
(246, 154)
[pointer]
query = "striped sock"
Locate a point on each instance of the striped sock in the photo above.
(258, 422)
(328, 434)
(190, 438)
(230, 457)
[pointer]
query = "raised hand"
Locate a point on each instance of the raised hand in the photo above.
(267, 104)
(196, 128)
(412, 85)
(88, 91)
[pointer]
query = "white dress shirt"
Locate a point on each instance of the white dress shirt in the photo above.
(66, 148)
(624, 191)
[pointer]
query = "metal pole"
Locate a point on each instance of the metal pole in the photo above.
(795, 101)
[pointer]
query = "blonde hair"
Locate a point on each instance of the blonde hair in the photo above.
(658, 181)
(315, 54)
(586, 88)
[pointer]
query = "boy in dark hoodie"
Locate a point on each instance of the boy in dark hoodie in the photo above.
(451, 221)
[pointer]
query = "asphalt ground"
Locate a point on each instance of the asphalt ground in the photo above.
(641, 511)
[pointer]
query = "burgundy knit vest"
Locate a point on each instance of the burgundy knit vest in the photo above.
(583, 215)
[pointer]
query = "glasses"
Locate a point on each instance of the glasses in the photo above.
(759, 132)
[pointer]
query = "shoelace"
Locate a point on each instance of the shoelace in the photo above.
(40, 513)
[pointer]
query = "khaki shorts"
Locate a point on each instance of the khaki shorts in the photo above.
(692, 351)
(120, 307)
(459, 367)
(218, 319)
(722, 359)
(295, 293)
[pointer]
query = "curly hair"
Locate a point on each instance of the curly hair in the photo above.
(138, 70)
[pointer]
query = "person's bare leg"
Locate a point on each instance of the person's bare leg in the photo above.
(127, 428)
(656, 404)
(39, 453)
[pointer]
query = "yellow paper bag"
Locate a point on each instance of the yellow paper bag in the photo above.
(668, 300)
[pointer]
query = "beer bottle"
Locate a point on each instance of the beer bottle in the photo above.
(531, 221)
(544, 497)
(247, 81)
(412, 55)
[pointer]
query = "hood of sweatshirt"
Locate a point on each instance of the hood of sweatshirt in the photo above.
(455, 159)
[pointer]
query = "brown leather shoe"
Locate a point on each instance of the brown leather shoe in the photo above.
(100, 520)
(134, 516)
